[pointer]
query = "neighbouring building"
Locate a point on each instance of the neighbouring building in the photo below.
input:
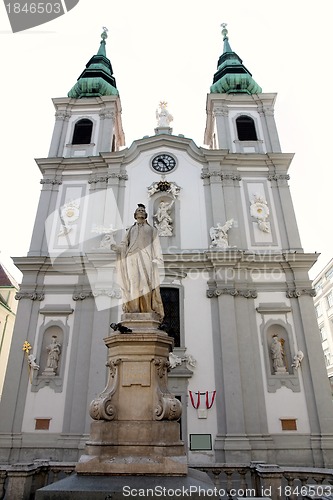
(8, 306)
(247, 363)
(323, 302)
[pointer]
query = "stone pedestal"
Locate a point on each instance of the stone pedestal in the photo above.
(134, 447)
(135, 428)
(195, 485)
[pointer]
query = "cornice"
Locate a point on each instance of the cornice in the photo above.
(159, 141)
(259, 100)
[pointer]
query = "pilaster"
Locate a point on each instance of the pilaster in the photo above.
(279, 183)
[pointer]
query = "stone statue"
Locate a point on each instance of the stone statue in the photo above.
(297, 359)
(163, 219)
(139, 256)
(277, 354)
(219, 235)
(32, 362)
(53, 357)
(164, 118)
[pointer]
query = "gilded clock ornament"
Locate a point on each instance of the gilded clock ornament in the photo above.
(163, 163)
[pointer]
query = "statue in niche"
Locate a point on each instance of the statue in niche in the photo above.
(54, 350)
(219, 235)
(277, 353)
(163, 117)
(163, 220)
(139, 255)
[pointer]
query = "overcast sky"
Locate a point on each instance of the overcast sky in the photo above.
(169, 51)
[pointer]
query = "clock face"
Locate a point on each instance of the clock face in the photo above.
(163, 163)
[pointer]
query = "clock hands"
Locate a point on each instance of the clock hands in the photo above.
(163, 163)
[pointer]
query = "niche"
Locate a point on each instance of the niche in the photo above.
(278, 350)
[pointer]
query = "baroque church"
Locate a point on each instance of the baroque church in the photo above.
(247, 363)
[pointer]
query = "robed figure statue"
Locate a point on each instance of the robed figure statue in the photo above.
(139, 257)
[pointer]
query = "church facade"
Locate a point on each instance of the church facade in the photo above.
(247, 363)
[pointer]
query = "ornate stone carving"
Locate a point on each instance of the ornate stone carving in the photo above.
(214, 173)
(32, 362)
(219, 235)
(82, 295)
(297, 359)
(296, 292)
(223, 176)
(30, 295)
(114, 293)
(51, 181)
(248, 294)
(260, 211)
(62, 115)
(107, 114)
(163, 220)
(102, 408)
(175, 360)
(69, 214)
(107, 233)
(278, 177)
(231, 177)
(168, 407)
(221, 111)
(104, 178)
(164, 186)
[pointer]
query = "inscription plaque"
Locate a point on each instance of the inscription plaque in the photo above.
(136, 373)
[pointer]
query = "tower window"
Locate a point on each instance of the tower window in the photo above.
(246, 129)
(170, 298)
(82, 132)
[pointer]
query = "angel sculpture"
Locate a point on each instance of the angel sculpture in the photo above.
(219, 235)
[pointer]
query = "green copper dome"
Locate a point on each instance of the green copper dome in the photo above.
(231, 76)
(96, 79)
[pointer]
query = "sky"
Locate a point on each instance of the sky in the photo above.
(169, 51)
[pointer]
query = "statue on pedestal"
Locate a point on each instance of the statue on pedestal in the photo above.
(53, 357)
(139, 257)
(277, 353)
(163, 117)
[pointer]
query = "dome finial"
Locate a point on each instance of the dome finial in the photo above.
(226, 46)
(224, 30)
(104, 35)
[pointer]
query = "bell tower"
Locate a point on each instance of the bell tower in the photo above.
(240, 117)
(88, 120)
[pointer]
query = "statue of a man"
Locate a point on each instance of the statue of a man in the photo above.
(139, 256)
(277, 353)
(53, 354)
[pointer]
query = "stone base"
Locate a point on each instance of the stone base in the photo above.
(134, 448)
(141, 322)
(194, 485)
(142, 465)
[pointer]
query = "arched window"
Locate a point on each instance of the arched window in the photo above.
(82, 132)
(170, 298)
(246, 129)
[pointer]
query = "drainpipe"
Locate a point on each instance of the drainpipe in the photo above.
(3, 332)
